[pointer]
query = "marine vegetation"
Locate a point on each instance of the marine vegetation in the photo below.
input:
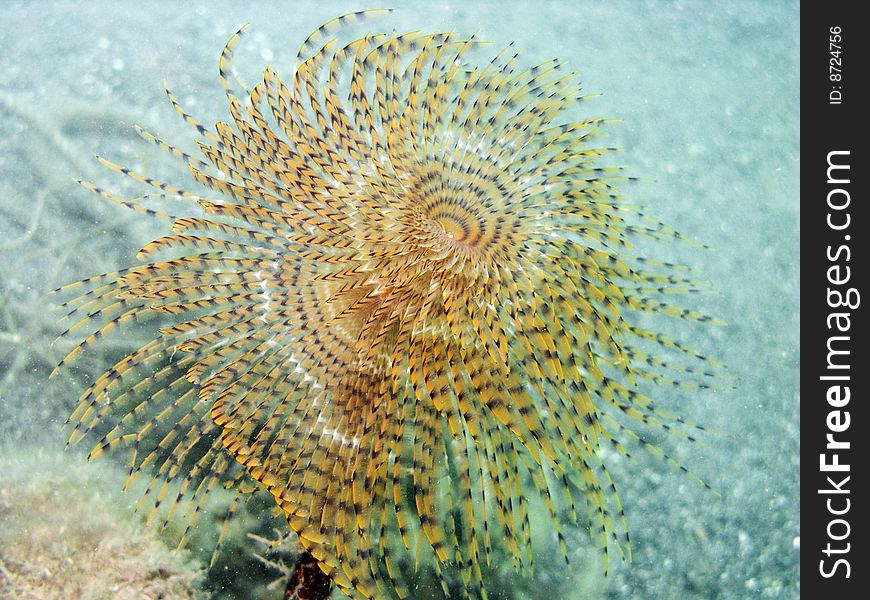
(64, 535)
(402, 296)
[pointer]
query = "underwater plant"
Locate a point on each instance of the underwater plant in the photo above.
(63, 535)
(404, 295)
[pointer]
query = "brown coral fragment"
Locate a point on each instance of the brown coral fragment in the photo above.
(308, 581)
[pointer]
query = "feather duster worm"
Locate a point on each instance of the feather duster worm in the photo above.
(406, 298)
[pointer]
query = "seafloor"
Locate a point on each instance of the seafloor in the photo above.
(709, 101)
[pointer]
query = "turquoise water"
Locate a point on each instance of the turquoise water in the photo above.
(709, 102)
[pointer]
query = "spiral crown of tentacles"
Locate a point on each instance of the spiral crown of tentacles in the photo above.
(407, 295)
